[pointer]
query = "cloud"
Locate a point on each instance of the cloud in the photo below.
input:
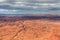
(28, 4)
(34, 1)
(2, 0)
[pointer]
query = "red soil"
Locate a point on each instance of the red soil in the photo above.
(30, 30)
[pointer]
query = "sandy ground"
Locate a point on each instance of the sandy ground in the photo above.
(30, 30)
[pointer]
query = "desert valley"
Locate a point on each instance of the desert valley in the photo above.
(30, 27)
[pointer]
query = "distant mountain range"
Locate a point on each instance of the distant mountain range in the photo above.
(11, 18)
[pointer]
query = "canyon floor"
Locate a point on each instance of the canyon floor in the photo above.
(40, 29)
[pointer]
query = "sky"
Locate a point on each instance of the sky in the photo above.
(29, 6)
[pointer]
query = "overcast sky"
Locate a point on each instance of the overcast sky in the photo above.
(14, 5)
